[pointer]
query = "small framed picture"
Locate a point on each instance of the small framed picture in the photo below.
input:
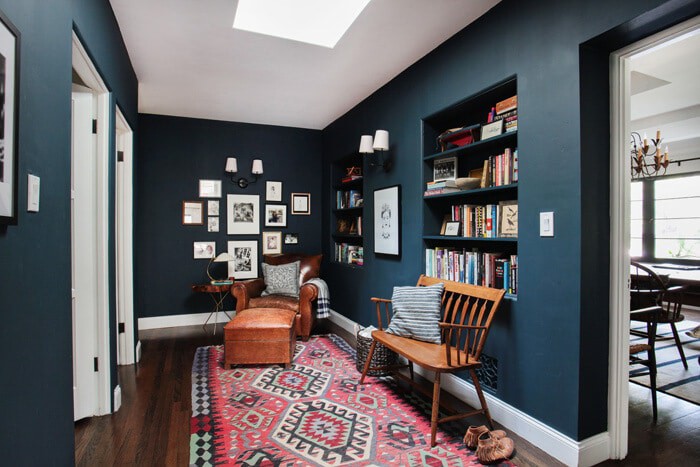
(193, 213)
(387, 221)
(243, 212)
(275, 215)
(508, 220)
(210, 188)
(273, 191)
(204, 250)
(213, 207)
(212, 224)
(491, 129)
(452, 228)
(272, 243)
(291, 238)
(445, 169)
(301, 203)
(245, 259)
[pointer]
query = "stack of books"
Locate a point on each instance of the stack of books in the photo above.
(350, 178)
(494, 270)
(349, 254)
(438, 187)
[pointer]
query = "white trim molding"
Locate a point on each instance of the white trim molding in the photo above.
(172, 321)
(117, 397)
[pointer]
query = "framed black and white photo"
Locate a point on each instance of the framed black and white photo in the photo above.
(272, 243)
(452, 228)
(204, 250)
(213, 207)
(275, 215)
(245, 259)
(291, 238)
(9, 83)
(387, 221)
(243, 214)
(212, 224)
(210, 188)
(445, 169)
(273, 191)
(301, 203)
(193, 213)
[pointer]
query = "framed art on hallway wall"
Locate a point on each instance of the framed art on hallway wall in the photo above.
(9, 83)
(245, 259)
(243, 214)
(387, 221)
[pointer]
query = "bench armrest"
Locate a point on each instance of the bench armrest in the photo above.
(387, 311)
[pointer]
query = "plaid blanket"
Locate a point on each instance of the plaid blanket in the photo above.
(324, 298)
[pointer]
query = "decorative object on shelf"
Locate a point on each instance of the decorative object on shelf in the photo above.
(245, 259)
(224, 257)
(210, 188)
(213, 207)
(457, 137)
(213, 224)
(204, 250)
(273, 191)
(192, 213)
(272, 243)
(343, 226)
(380, 143)
(232, 168)
(291, 238)
(243, 214)
(9, 81)
(508, 221)
(644, 162)
(387, 221)
(445, 169)
(301, 204)
(275, 215)
(489, 130)
(452, 228)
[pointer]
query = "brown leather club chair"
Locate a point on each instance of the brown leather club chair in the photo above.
(248, 292)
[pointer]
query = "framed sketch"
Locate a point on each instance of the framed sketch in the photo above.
(9, 82)
(193, 213)
(452, 228)
(275, 215)
(212, 224)
(213, 207)
(445, 169)
(387, 221)
(245, 259)
(291, 238)
(243, 215)
(301, 203)
(210, 188)
(204, 250)
(508, 219)
(272, 243)
(273, 191)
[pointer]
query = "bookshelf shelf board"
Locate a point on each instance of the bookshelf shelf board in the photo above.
(344, 235)
(512, 187)
(470, 239)
(496, 141)
(348, 185)
(347, 265)
(355, 209)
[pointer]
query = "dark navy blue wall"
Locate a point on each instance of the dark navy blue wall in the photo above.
(173, 155)
(552, 344)
(36, 397)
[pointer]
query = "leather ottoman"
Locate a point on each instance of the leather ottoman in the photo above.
(260, 336)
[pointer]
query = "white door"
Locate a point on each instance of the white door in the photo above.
(84, 254)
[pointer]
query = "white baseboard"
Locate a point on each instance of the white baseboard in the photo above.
(584, 453)
(117, 398)
(157, 322)
(137, 352)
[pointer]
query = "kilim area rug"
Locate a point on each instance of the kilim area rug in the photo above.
(315, 413)
(671, 377)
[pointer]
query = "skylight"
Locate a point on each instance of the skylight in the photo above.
(318, 22)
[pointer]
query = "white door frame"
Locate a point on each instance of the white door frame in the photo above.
(88, 73)
(620, 179)
(124, 235)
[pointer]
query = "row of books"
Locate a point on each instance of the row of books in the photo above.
(349, 254)
(441, 186)
(484, 221)
(348, 199)
(494, 270)
(501, 169)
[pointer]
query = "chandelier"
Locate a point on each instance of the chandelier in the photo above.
(647, 162)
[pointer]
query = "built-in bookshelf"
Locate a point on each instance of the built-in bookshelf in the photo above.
(470, 190)
(347, 212)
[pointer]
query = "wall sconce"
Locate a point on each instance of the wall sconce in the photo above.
(379, 143)
(232, 168)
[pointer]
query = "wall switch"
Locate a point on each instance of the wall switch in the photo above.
(546, 224)
(33, 188)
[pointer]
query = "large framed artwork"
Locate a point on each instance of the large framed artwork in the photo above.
(9, 88)
(387, 221)
(243, 214)
(245, 259)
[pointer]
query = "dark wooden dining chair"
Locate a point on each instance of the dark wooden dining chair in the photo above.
(650, 316)
(648, 289)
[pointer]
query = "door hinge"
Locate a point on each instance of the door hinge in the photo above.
(94, 126)
(120, 156)
(97, 367)
(121, 328)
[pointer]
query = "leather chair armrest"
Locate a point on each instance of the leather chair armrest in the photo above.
(245, 290)
(308, 293)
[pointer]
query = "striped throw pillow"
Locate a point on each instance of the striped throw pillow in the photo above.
(416, 312)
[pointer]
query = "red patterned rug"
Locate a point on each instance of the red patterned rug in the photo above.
(315, 413)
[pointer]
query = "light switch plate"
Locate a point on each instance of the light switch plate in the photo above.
(547, 224)
(33, 191)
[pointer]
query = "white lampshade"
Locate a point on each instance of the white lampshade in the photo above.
(231, 165)
(381, 140)
(224, 257)
(366, 144)
(257, 166)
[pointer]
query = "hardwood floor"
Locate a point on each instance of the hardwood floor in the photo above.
(152, 426)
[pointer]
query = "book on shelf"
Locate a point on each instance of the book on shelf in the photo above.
(484, 221)
(349, 254)
(500, 169)
(505, 105)
(495, 270)
(441, 184)
(440, 191)
(348, 199)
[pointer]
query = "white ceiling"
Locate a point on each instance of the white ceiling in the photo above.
(190, 62)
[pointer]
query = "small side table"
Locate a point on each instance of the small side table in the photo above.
(217, 293)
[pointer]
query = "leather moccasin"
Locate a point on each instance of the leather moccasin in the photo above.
(491, 449)
(471, 437)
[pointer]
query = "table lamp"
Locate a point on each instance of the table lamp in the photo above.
(224, 257)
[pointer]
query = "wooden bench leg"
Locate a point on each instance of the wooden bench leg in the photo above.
(369, 360)
(482, 399)
(436, 409)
